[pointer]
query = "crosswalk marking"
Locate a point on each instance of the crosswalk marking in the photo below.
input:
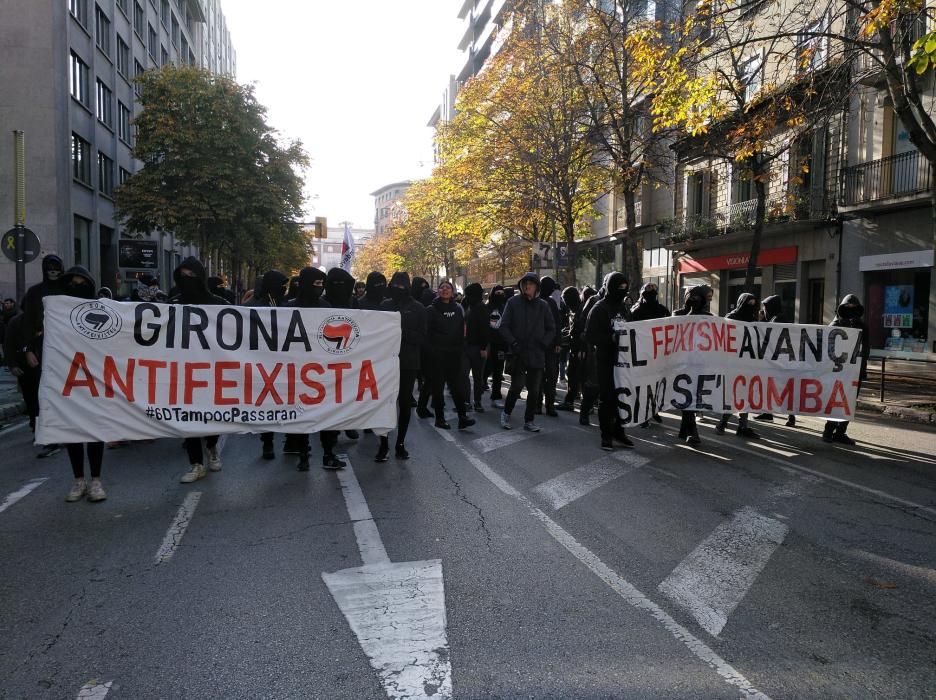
(173, 537)
(92, 690)
(504, 438)
(716, 576)
(574, 484)
(21, 493)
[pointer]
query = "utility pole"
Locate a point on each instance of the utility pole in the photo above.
(19, 210)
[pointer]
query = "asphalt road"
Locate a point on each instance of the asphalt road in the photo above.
(784, 567)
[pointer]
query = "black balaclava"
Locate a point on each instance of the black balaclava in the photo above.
(615, 287)
(376, 287)
(293, 290)
(745, 311)
(772, 306)
(697, 299)
(400, 295)
(647, 294)
(191, 289)
(547, 286)
(52, 268)
(850, 311)
(308, 294)
(474, 294)
(83, 290)
(420, 285)
(339, 287)
(572, 300)
(274, 286)
(498, 296)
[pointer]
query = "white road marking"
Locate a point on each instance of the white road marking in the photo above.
(21, 493)
(11, 428)
(619, 585)
(174, 535)
(572, 485)
(92, 690)
(684, 446)
(502, 439)
(396, 611)
(716, 576)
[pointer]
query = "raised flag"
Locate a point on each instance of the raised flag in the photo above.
(347, 250)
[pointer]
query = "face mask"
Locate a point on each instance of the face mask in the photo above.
(53, 275)
(79, 289)
(398, 295)
(851, 312)
(190, 286)
(650, 295)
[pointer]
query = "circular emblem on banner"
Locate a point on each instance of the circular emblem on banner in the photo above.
(338, 334)
(96, 321)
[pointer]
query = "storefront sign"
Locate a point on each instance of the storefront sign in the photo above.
(734, 261)
(122, 371)
(896, 261)
(898, 306)
(143, 255)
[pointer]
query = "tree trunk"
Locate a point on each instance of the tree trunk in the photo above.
(633, 263)
(759, 215)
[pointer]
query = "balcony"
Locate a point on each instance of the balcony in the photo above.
(740, 216)
(895, 177)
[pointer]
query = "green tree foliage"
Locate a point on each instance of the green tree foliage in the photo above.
(214, 172)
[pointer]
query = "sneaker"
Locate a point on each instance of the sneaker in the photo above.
(497, 403)
(332, 462)
(720, 428)
(49, 451)
(465, 422)
(791, 422)
(505, 421)
(197, 472)
(693, 440)
(531, 427)
(383, 452)
(607, 445)
(96, 492)
(400, 452)
(78, 490)
(441, 423)
(214, 461)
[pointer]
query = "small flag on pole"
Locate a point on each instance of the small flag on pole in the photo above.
(347, 250)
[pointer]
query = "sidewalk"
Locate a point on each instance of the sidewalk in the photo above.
(11, 402)
(909, 391)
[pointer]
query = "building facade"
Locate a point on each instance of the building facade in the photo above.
(388, 205)
(326, 252)
(68, 87)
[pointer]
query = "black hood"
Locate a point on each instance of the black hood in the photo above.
(308, 294)
(547, 286)
(528, 277)
(612, 287)
(419, 286)
(273, 286)
(402, 279)
(474, 293)
(696, 299)
(572, 300)
(52, 262)
(87, 290)
(587, 293)
(772, 306)
(193, 264)
(339, 286)
(498, 297)
(744, 311)
(846, 316)
(376, 286)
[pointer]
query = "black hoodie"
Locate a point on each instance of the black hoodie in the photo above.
(413, 321)
(308, 296)
(547, 287)
(527, 326)
(696, 303)
(84, 290)
(744, 311)
(32, 300)
(375, 294)
(446, 325)
(339, 288)
(477, 317)
(419, 286)
(495, 308)
(648, 306)
(849, 314)
(272, 290)
(773, 307)
(605, 315)
(193, 290)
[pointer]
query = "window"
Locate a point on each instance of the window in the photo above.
(123, 6)
(152, 43)
(105, 174)
(163, 56)
(650, 11)
(164, 13)
(79, 10)
(124, 175)
(81, 159)
(123, 123)
(102, 30)
(811, 47)
(78, 75)
(105, 104)
(183, 52)
(123, 57)
(175, 31)
(751, 77)
(139, 18)
(137, 71)
(82, 238)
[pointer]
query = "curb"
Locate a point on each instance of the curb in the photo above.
(11, 410)
(903, 412)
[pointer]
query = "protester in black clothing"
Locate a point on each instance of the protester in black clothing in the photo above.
(528, 330)
(191, 284)
(696, 304)
(497, 349)
(446, 323)
(419, 286)
(217, 287)
(588, 376)
(339, 292)
(52, 270)
(554, 346)
(773, 310)
(272, 290)
(414, 324)
(312, 283)
(849, 314)
(477, 335)
(375, 292)
(648, 307)
(27, 378)
(606, 321)
(571, 331)
(745, 310)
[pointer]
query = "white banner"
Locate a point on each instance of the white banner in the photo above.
(116, 370)
(708, 363)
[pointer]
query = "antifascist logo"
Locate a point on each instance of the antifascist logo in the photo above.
(337, 334)
(95, 320)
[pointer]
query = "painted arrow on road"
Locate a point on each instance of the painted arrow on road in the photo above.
(397, 611)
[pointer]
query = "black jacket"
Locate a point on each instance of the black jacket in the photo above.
(744, 312)
(648, 308)
(693, 306)
(374, 296)
(446, 325)
(477, 317)
(527, 327)
(854, 319)
(308, 296)
(413, 323)
(339, 288)
(32, 302)
(194, 292)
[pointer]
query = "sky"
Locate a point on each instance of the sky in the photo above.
(356, 82)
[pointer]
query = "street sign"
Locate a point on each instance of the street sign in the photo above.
(565, 254)
(31, 245)
(542, 256)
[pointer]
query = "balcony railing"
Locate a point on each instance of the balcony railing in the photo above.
(741, 216)
(903, 175)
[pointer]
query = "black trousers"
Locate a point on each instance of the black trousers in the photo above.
(550, 377)
(522, 377)
(29, 386)
(495, 369)
(193, 447)
(572, 378)
(608, 419)
(476, 365)
(95, 458)
(405, 402)
(446, 369)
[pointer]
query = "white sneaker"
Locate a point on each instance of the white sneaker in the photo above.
(96, 492)
(497, 403)
(78, 490)
(214, 461)
(505, 421)
(531, 427)
(198, 472)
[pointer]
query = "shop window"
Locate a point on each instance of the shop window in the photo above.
(897, 308)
